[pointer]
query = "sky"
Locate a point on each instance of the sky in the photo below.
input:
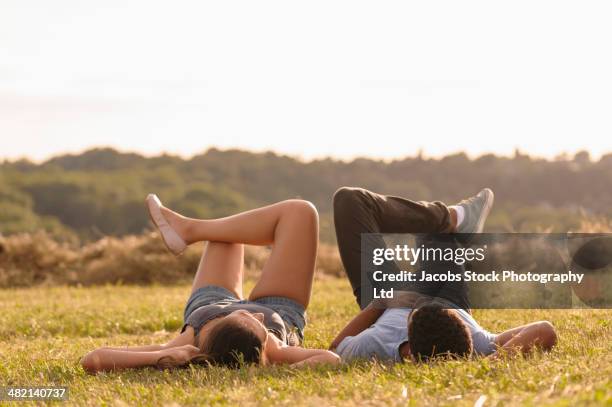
(309, 79)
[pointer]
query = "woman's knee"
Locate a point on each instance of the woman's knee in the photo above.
(301, 208)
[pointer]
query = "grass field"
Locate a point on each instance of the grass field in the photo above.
(44, 332)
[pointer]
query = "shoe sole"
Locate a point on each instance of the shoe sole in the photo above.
(485, 210)
(153, 197)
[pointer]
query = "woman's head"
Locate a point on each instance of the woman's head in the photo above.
(434, 330)
(237, 338)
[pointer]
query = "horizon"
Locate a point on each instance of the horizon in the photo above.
(421, 153)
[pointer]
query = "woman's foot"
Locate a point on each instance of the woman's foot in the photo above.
(179, 223)
(171, 225)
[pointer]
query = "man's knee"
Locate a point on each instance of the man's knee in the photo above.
(346, 197)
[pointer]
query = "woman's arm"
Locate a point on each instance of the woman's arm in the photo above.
(116, 358)
(106, 359)
(361, 321)
(297, 356)
(185, 338)
(524, 338)
(143, 348)
(278, 353)
(325, 356)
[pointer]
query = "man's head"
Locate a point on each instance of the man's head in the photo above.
(434, 330)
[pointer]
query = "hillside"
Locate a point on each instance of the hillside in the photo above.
(100, 192)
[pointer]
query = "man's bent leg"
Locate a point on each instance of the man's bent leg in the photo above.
(357, 211)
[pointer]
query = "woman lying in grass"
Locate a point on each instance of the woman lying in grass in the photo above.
(221, 327)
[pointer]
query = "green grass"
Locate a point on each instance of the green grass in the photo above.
(44, 331)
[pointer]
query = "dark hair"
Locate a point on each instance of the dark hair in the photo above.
(437, 331)
(231, 344)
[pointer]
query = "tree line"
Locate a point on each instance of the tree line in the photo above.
(101, 191)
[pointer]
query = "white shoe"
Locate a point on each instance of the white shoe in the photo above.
(171, 239)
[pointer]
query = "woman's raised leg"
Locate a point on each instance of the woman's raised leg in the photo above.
(291, 227)
(221, 265)
(254, 227)
(290, 268)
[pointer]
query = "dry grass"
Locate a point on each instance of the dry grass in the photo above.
(37, 259)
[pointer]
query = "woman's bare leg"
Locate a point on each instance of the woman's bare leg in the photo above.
(221, 265)
(290, 269)
(291, 227)
(254, 227)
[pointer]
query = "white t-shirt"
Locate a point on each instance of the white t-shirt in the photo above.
(382, 340)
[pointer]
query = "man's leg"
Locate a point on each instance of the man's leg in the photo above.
(357, 211)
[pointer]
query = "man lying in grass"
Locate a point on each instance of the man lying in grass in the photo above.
(418, 329)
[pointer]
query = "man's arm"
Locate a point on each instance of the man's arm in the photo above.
(375, 309)
(524, 338)
(362, 321)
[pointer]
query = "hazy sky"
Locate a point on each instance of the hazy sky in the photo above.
(316, 78)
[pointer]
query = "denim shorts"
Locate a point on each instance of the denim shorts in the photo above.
(292, 313)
